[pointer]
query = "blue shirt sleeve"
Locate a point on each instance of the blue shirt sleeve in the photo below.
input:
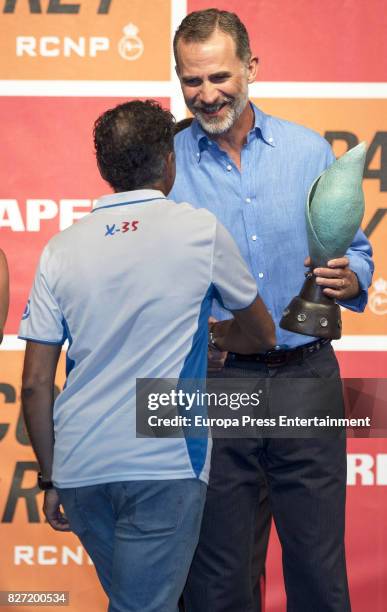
(360, 262)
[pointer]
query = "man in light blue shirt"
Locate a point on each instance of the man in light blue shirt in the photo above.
(253, 171)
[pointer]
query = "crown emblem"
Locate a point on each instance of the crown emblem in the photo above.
(380, 285)
(131, 30)
(130, 47)
(378, 298)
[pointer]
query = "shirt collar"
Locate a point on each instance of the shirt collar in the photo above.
(261, 129)
(137, 196)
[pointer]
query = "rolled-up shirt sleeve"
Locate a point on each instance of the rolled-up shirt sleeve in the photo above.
(360, 262)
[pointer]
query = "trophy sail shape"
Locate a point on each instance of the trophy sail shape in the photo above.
(334, 211)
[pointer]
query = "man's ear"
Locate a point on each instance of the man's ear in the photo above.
(171, 161)
(253, 68)
(171, 167)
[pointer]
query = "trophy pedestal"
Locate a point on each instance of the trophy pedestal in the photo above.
(312, 313)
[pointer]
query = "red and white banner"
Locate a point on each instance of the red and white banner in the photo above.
(62, 63)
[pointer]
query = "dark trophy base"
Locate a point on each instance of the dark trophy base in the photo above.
(312, 313)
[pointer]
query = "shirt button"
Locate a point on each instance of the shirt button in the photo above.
(229, 167)
(248, 200)
(260, 275)
(253, 237)
(271, 139)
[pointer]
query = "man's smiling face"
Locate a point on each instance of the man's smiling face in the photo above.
(214, 81)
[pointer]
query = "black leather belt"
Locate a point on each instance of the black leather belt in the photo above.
(277, 358)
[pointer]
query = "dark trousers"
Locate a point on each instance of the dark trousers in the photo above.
(306, 481)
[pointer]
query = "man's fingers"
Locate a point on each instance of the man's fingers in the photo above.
(329, 272)
(58, 524)
(216, 363)
(340, 262)
(53, 512)
(57, 520)
(216, 360)
(333, 283)
(337, 294)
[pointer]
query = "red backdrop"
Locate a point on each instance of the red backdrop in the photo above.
(321, 64)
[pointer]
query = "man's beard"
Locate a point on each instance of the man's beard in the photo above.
(220, 125)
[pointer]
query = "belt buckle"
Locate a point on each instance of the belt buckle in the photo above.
(274, 359)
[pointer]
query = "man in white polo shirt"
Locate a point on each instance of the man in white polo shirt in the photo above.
(130, 286)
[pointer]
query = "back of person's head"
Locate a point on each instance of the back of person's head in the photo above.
(132, 142)
(200, 25)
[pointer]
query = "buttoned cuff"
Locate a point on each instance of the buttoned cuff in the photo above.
(361, 268)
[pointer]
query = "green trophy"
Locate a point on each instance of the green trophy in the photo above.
(334, 211)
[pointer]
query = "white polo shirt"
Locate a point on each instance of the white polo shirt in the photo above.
(130, 286)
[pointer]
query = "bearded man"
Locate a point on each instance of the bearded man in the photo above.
(253, 171)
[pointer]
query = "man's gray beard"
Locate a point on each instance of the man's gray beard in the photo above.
(217, 127)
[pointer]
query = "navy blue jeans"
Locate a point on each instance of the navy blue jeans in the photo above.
(141, 536)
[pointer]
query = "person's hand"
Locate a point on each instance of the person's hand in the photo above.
(216, 358)
(338, 280)
(52, 511)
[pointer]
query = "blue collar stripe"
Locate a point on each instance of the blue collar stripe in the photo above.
(126, 203)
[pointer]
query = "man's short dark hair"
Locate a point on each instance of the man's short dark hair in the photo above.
(200, 25)
(131, 143)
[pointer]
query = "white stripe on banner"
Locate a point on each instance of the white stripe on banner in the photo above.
(361, 343)
(172, 89)
(281, 89)
(178, 108)
(125, 89)
(346, 343)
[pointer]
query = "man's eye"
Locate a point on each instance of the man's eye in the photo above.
(192, 82)
(219, 79)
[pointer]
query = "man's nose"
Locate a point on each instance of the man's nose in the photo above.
(208, 93)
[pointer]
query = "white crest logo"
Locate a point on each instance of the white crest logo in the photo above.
(378, 299)
(130, 46)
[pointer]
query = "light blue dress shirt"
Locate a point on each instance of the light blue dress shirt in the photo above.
(263, 205)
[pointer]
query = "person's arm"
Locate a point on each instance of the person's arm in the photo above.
(251, 330)
(39, 370)
(37, 396)
(4, 292)
(42, 327)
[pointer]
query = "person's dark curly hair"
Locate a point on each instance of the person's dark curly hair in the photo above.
(131, 143)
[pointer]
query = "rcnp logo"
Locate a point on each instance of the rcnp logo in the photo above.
(130, 47)
(84, 40)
